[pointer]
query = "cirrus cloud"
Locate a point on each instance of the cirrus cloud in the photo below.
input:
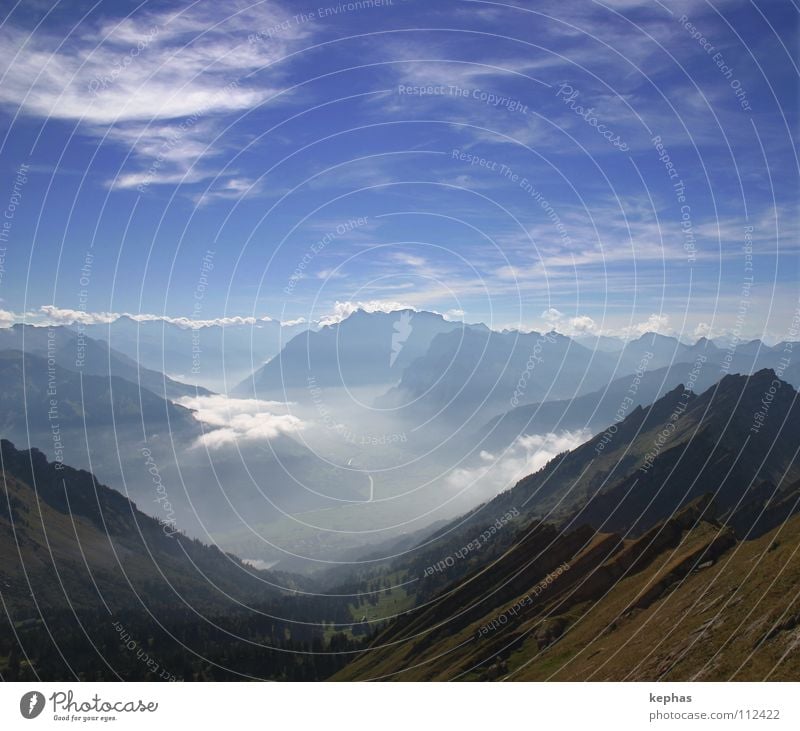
(133, 80)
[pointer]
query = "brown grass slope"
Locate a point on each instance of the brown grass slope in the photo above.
(684, 601)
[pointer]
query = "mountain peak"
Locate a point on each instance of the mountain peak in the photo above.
(750, 381)
(363, 315)
(655, 337)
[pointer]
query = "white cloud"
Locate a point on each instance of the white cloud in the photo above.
(454, 315)
(654, 324)
(583, 324)
(60, 316)
(230, 189)
(528, 454)
(155, 81)
(570, 326)
(52, 315)
(703, 330)
(552, 317)
(7, 318)
(410, 260)
(151, 66)
(327, 274)
(240, 420)
(188, 323)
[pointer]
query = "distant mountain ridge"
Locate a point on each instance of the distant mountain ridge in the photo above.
(454, 370)
(600, 408)
(485, 374)
(36, 394)
(637, 471)
(79, 352)
(213, 355)
(365, 349)
(470, 372)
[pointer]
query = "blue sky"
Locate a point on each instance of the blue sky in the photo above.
(481, 159)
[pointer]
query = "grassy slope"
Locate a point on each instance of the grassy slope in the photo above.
(648, 609)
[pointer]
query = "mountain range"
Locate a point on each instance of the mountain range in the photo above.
(661, 548)
(365, 349)
(213, 356)
(478, 375)
(649, 559)
(442, 393)
(80, 353)
(432, 369)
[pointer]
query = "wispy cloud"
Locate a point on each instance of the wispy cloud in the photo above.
(156, 81)
(229, 189)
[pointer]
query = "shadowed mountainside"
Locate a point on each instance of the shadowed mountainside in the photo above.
(77, 352)
(69, 541)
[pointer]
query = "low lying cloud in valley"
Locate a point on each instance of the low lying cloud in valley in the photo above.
(528, 454)
(235, 420)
